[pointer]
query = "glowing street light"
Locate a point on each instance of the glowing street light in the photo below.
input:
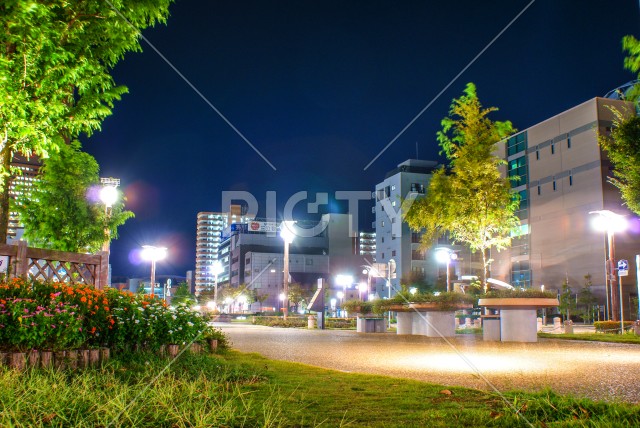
(153, 254)
(287, 235)
(216, 269)
(445, 255)
(610, 222)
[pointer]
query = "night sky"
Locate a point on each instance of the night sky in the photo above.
(320, 88)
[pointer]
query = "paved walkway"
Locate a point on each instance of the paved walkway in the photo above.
(601, 371)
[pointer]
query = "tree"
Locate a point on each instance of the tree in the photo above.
(567, 302)
(632, 63)
(62, 210)
(55, 62)
(587, 299)
(183, 295)
(623, 149)
(623, 144)
(471, 201)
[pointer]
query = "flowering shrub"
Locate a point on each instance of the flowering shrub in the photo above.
(37, 315)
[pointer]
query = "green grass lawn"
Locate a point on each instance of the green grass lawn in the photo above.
(594, 337)
(247, 390)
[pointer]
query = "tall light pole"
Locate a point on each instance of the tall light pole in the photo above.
(216, 269)
(445, 255)
(153, 254)
(108, 196)
(287, 235)
(610, 222)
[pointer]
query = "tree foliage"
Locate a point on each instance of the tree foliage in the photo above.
(622, 145)
(471, 200)
(56, 58)
(182, 295)
(62, 211)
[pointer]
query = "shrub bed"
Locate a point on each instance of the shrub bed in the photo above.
(610, 326)
(340, 323)
(64, 316)
(273, 321)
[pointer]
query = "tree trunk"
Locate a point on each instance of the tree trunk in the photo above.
(484, 271)
(5, 183)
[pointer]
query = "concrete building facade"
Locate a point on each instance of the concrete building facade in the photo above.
(395, 242)
(563, 177)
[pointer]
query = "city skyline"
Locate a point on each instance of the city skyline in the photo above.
(320, 90)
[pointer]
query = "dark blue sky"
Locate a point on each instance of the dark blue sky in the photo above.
(320, 88)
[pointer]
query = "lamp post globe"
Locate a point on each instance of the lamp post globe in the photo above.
(153, 254)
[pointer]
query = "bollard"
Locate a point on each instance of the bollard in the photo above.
(557, 323)
(568, 327)
(311, 322)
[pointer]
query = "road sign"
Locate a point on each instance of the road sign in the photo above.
(623, 268)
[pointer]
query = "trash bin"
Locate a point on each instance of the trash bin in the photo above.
(311, 322)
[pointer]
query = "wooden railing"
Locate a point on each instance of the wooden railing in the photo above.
(51, 265)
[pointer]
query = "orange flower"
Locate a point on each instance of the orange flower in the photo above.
(105, 302)
(83, 299)
(106, 308)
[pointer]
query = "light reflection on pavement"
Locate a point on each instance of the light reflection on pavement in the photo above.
(601, 371)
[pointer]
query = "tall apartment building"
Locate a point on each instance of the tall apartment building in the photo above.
(210, 226)
(563, 177)
(367, 244)
(394, 240)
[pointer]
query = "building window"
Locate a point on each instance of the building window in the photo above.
(517, 144)
(393, 253)
(571, 180)
(393, 237)
(537, 155)
(393, 187)
(309, 262)
(393, 220)
(393, 204)
(568, 142)
(382, 256)
(518, 171)
(382, 239)
(553, 149)
(382, 223)
(538, 190)
(554, 186)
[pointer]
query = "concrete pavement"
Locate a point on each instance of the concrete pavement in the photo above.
(601, 371)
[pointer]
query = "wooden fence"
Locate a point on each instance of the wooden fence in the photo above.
(50, 265)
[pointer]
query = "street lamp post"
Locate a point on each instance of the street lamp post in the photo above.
(445, 255)
(611, 223)
(153, 254)
(108, 196)
(287, 235)
(216, 269)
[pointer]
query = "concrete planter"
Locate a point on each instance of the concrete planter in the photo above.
(518, 316)
(370, 324)
(429, 319)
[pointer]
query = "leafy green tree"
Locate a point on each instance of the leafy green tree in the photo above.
(623, 149)
(56, 58)
(296, 295)
(587, 300)
(182, 295)
(631, 46)
(623, 144)
(471, 201)
(62, 210)
(567, 300)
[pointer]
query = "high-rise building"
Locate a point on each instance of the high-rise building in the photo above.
(395, 242)
(210, 226)
(563, 178)
(367, 244)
